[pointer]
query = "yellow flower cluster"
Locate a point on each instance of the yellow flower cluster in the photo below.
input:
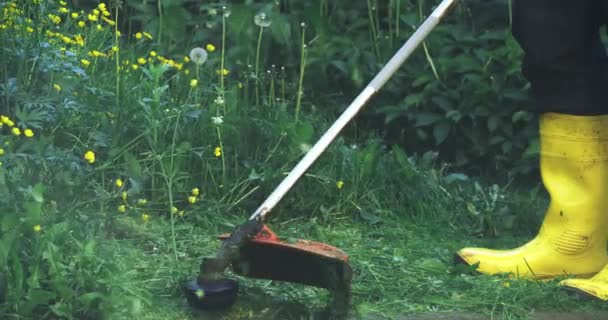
(153, 56)
(194, 193)
(16, 131)
(10, 16)
(89, 156)
(96, 54)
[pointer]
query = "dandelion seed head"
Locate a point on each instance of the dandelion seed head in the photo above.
(198, 56)
(261, 20)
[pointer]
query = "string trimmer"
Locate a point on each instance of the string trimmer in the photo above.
(253, 250)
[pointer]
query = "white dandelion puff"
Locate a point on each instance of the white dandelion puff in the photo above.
(262, 20)
(198, 56)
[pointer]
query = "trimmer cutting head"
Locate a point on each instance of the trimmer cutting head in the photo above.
(266, 256)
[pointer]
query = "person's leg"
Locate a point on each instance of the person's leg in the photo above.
(564, 60)
(565, 63)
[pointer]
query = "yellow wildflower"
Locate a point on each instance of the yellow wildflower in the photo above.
(63, 3)
(134, 67)
(96, 54)
(340, 184)
(74, 15)
(108, 21)
(223, 72)
(7, 121)
(139, 35)
(192, 199)
(90, 156)
(193, 83)
(210, 47)
(57, 87)
(117, 33)
(1, 152)
(29, 29)
(122, 208)
(174, 210)
(37, 228)
(119, 183)
(145, 217)
(82, 24)
(99, 27)
(218, 152)
(196, 191)
(186, 59)
(114, 48)
(28, 133)
(16, 131)
(96, 12)
(181, 213)
(142, 61)
(142, 202)
(92, 17)
(102, 6)
(85, 62)
(64, 10)
(79, 40)
(54, 18)
(152, 53)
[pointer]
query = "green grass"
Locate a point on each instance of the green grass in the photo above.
(401, 266)
(75, 244)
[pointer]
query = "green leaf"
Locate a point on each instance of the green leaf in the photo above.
(404, 163)
(302, 132)
(427, 118)
(38, 193)
(369, 217)
(33, 210)
(493, 123)
(134, 169)
(441, 131)
(453, 177)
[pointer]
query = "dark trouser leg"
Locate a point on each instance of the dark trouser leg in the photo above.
(565, 60)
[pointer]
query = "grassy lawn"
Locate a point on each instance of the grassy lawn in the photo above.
(402, 267)
(127, 146)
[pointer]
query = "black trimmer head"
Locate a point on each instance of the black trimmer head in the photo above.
(211, 294)
(266, 256)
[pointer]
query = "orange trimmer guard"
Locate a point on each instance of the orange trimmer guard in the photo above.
(267, 256)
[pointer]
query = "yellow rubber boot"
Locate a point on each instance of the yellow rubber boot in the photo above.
(572, 238)
(596, 287)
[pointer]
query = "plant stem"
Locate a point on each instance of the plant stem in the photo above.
(372, 27)
(257, 69)
(219, 137)
(160, 20)
(117, 58)
(301, 79)
(397, 18)
(222, 59)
